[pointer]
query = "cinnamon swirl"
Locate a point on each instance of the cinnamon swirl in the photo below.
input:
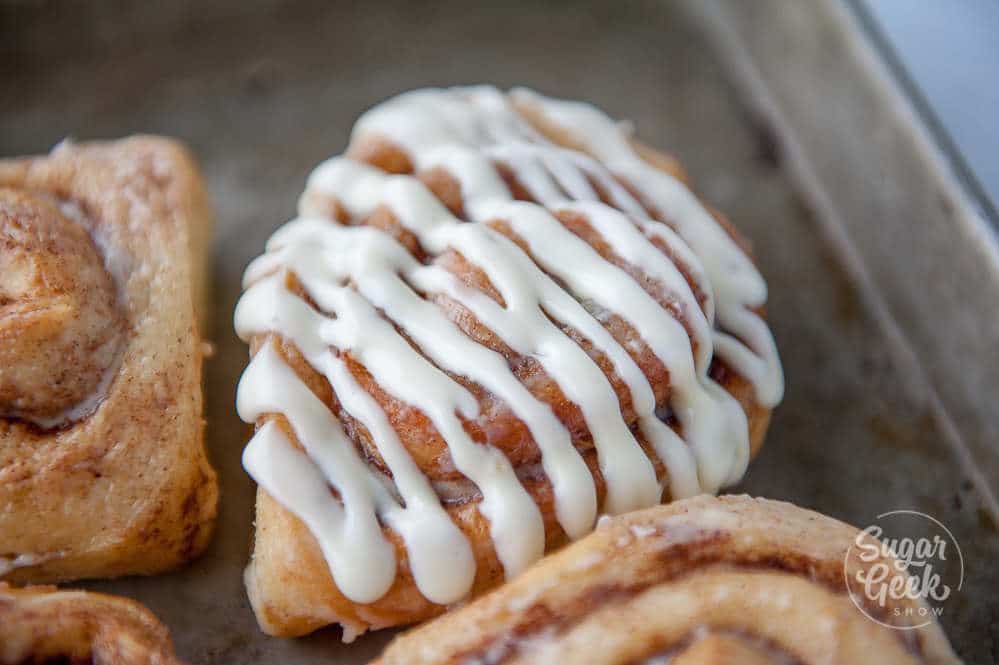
(45, 625)
(704, 580)
(102, 466)
(495, 318)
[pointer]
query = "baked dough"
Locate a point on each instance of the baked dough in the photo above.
(42, 624)
(704, 580)
(477, 333)
(103, 470)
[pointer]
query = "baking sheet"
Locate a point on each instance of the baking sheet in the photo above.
(876, 417)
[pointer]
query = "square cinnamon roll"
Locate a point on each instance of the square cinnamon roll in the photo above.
(495, 318)
(103, 470)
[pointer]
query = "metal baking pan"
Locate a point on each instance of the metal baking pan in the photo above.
(883, 269)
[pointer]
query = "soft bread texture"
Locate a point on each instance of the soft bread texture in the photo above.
(108, 244)
(704, 580)
(289, 580)
(42, 624)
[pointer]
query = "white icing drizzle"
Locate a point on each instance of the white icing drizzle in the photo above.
(738, 286)
(370, 298)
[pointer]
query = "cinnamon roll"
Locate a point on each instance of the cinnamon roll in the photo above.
(496, 317)
(704, 580)
(103, 470)
(45, 625)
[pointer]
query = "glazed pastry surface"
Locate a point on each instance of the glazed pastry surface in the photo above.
(45, 625)
(495, 318)
(103, 470)
(704, 580)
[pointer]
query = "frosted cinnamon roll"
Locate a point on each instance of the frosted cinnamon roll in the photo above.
(704, 580)
(495, 318)
(102, 465)
(45, 625)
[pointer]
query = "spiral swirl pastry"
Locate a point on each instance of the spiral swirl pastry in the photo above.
(45, 625)
(495, 318)
(102, 466)
(61, 327)
(705, 580)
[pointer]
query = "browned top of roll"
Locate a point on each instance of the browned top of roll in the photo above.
(45, 625)
(703, 580)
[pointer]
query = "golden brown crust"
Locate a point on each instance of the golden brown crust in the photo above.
(289, 583)
(127, 488)
(703, 580)
(45, 625)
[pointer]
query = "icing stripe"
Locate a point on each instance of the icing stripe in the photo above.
(361, 560)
